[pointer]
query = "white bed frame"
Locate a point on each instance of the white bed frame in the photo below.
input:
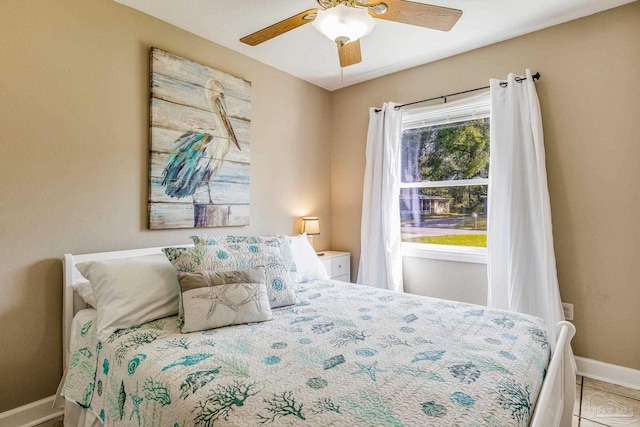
(555, 402)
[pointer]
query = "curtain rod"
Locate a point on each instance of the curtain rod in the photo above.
(536, 76)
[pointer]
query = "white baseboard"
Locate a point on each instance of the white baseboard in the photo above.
(31, 415)
(609, 373)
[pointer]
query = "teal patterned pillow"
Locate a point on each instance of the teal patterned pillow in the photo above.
(252, 242)
(226, 253)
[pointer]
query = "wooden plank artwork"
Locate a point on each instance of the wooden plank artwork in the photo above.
(200, 122)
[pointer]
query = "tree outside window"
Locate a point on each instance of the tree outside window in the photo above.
(445, 170)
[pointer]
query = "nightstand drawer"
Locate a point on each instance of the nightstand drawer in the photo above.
(339, 266)
(345, 278)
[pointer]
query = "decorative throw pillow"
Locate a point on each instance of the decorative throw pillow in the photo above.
(227, 253)
(131, 291)
(308, 265)
(212, 299)
(235, 243)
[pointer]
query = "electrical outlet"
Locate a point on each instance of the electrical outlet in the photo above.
(568, 311)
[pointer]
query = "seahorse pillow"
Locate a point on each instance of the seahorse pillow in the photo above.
(212, 299)
(279, 244)
(228, 253)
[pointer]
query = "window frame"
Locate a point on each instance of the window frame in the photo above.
(476, 107)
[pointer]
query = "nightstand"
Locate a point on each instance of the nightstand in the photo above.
(338, 265)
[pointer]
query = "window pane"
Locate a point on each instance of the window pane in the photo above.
(446, 152)
(445, 215)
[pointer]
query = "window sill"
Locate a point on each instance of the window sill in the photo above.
(445, 252)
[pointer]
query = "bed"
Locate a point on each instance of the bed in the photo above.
(344, 354)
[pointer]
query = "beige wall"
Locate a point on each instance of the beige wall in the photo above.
(74, 151)
(590, 100)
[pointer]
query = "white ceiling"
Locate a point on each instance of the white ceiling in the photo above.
(390, 47)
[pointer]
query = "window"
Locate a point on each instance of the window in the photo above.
(445, 177)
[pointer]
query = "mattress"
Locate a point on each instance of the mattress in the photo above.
(344, 355)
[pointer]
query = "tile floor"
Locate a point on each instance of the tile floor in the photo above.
(597, 404)
(602, 404)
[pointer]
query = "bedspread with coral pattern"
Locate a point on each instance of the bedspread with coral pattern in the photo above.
(346, 355)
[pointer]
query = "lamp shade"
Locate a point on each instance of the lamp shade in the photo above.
(344, 21)
(311, 225)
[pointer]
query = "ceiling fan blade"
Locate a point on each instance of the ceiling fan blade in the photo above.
(349, 53)
(422, 15)
(280, 28)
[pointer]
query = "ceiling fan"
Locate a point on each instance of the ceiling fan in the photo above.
(346, 21)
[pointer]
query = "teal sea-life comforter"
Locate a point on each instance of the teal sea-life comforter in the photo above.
(346, 355)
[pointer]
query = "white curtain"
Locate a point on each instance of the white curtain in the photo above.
(521, 261)
(380, 256)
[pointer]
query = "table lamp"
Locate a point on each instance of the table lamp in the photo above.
(311, 226)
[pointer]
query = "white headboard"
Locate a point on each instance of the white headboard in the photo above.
(71, 301)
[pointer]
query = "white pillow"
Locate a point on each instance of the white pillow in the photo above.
(309, 267)
(132, 291)
(85, 290)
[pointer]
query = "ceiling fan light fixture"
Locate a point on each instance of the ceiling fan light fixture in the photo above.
(344, 21)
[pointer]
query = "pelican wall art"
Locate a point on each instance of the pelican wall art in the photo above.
(200, 127)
